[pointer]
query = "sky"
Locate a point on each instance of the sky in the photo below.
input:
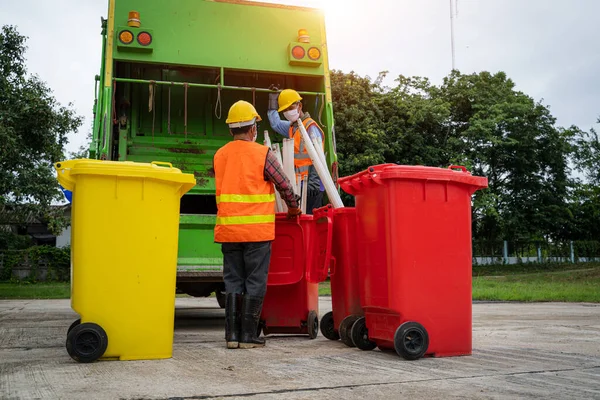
(549, 48)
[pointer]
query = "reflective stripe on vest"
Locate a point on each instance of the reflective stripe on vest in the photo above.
(248, 219)
(245, 198)
(301, 157)
(302, 170)
(245, 201)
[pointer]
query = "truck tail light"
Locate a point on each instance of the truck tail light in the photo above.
(314, 53)
(126, 37)
(144, 38)
(298, 52)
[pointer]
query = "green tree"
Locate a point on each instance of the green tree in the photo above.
(585, 205)
(512, 140)
(480, 121)
(587, 154)
(358, 126)
(33, 133)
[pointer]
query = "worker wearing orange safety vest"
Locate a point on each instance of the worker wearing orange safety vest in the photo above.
(289, 101)
(245, 173)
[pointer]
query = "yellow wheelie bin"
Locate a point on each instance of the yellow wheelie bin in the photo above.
(124, 232)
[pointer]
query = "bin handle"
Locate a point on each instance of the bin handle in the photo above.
(324, 215)
(158, 163)
(463, 169)
(327, 265)
(63, 174)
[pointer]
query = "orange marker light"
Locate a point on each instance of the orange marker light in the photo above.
(303, 36)
(314, 53)
(144, 38)
(298, 52)
(134, 19)
(126, 37)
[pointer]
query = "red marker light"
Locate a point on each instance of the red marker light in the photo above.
(144, 38)
(298, 52)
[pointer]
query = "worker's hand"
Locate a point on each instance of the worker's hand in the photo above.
(273, 104)
(293, 212)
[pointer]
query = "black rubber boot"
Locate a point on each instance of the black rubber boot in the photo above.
(232, 319)
(251, 308)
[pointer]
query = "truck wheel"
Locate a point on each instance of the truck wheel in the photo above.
(87, 342)
(360, 335)
(345, 329)
(313, 324)
(411, 340)
(259, 328)
(328, 327)
(221, 297)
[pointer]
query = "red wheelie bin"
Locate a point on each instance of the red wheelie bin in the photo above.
(345, 294)
(414, 240)
(299, 261)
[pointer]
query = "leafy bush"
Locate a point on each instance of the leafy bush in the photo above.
(56, 260)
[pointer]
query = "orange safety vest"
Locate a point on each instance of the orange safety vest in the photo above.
(245, 201)
(302, 160)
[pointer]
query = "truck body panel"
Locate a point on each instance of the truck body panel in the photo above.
(165, 88)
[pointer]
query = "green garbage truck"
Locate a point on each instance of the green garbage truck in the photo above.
(170, 71)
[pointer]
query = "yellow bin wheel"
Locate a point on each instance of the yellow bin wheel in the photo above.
(87, 342)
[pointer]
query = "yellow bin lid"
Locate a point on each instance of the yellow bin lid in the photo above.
(68, 170)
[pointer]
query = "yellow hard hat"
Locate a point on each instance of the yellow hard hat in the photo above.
(242, 114)
(286, 98)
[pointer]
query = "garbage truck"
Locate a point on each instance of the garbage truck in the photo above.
(169, 72)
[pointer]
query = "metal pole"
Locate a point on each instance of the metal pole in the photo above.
(572, 253)
(505, 252)
(206, 85)
(452, 35)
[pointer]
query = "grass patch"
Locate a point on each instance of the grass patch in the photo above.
(325, 288)
(532, 282)
(23, 290)
(42, 290)
(516, 269)
(577, 285)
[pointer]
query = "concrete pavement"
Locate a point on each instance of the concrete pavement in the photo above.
(541, 350)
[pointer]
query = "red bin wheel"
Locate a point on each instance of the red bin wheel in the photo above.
(313, 324)
(411, 340)
(360, 335)
(328, 327)
(345, 329)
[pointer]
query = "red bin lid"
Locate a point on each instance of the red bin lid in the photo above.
(378, 174)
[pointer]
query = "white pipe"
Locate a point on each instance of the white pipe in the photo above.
(319, 147)
(288, 163)
(332, 193)
(279, 203)
(281, 206)
(278, 199)
(304, 194)
(267, 141)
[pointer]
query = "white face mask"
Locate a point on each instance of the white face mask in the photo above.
(292, 115)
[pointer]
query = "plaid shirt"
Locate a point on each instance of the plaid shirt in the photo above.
(274, 173)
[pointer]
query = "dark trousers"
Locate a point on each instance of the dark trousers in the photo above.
(245, 267)
(313, 200)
